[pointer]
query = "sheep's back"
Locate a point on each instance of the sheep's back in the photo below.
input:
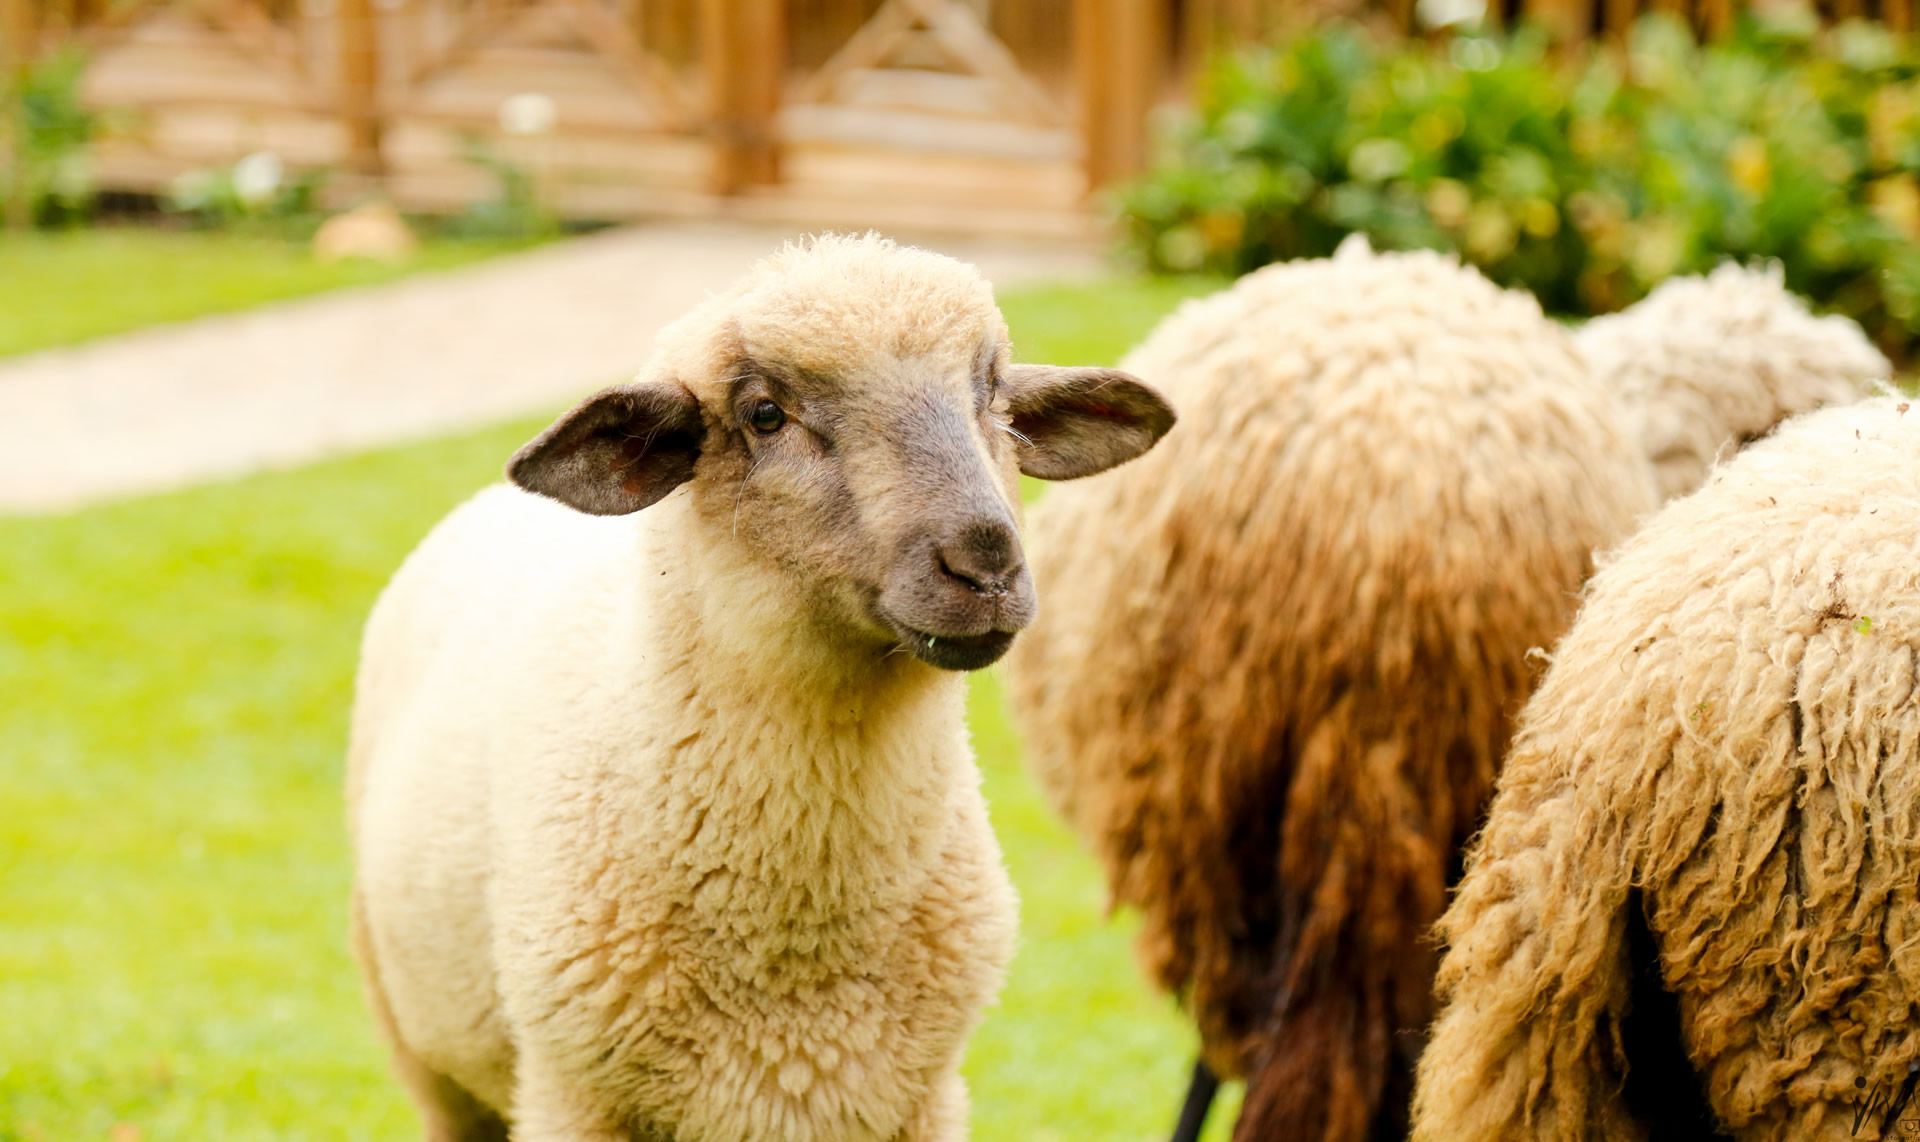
(1728, 744)
(1706, 364)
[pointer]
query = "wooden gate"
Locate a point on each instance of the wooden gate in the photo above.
(600, 101)
(202, 82)
(973, 114)
(843, 111)
(927, 101)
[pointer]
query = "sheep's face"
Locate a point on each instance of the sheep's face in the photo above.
(887, 487)
(877, 476)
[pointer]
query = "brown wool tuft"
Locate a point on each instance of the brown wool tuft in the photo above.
(1277, 656)
(1713, 806)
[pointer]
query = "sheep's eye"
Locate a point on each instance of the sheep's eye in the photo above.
(767, 418)
(990, 390)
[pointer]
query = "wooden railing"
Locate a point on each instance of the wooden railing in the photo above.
(1014, 108)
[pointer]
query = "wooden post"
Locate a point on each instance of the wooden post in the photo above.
(1567, 20)
(1209, 27)
(1401, 14)
(1261, 21)
(743, 49)
(1619, 17)
(1116, 60)
(360, 86)
(16, 54)
(1199, 30)
(1718, 16)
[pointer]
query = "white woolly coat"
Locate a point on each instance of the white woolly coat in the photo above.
(779, 900)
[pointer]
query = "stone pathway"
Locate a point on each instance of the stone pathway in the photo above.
(286, 384)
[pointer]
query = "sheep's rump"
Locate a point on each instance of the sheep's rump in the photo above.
(1711, 820)
(1707, 364)
(1276, 657)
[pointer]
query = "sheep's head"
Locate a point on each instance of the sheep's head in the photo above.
(848, 417)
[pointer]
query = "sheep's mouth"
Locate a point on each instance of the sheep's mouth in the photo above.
(957, 652)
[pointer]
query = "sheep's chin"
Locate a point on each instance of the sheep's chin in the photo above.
(957, 652)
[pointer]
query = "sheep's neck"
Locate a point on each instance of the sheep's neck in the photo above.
(812, 784)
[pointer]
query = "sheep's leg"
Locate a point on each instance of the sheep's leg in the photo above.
(559, 1125)
(1193, 1112)
(943, 1116)
(447, 1112)
(450, 1114)
(549, 1108)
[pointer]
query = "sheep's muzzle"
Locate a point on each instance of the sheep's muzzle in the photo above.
(958, 595)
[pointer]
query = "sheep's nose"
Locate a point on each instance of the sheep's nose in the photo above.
(984, 556)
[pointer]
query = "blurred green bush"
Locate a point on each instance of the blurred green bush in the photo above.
(47, 178)
(257, 192)
(1585, 178)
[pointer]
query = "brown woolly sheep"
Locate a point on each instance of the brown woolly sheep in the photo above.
(1696, 903)
(1280, 653)
(1707, 364)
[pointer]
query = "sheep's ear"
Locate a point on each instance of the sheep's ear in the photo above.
(1075, 422)
(615, 452)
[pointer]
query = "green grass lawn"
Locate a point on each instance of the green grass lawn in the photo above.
(175, 674)
(65, 287)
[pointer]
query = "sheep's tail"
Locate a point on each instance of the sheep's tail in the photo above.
(1328, 1071)
(1361, 880)
(1537, 982)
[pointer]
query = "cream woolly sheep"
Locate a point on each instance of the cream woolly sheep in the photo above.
(1280, 652)
(1698, 892)
(1706, 364)
(666, 826)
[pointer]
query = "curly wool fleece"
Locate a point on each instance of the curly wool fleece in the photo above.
(1700, 880)
(1707, 364)
(1279, 653)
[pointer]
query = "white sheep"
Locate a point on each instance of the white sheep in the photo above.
(1707, 364)
(666, 825)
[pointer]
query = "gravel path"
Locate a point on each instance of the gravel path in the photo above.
(290, 383)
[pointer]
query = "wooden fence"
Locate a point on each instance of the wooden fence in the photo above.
(998, 114)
